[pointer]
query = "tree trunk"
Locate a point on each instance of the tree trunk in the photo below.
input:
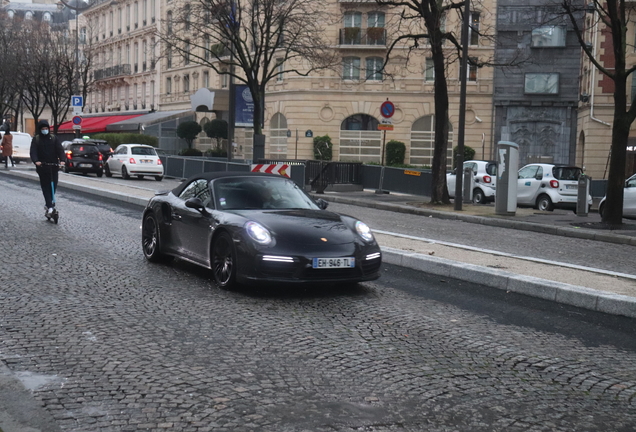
(613, 212)
(439, 192)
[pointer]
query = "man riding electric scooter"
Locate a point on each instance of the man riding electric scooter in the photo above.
(48, 155)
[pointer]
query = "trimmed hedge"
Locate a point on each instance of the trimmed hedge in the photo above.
(323, 148)
(395, 151)
(469, 154)
(115, 139)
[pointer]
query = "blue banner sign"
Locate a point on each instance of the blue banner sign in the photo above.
(243, 107)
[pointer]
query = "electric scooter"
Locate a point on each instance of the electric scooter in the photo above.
(55, 215)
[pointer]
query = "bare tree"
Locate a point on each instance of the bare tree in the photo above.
(422, 24)
(9, 55)
(612, 18)
(58, 56)
(251, 40)
(30, 71)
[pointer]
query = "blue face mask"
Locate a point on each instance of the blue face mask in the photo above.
(45, 131)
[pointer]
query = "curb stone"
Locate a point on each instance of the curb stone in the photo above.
(496, 222)
(572, 295)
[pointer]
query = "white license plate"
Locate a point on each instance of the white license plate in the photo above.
(146, 161)
(85, 166)
(326, 263)
(571, 186)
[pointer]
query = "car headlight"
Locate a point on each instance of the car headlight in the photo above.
(258, 233)
(364, 231)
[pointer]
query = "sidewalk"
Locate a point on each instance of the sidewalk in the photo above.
(603, 291)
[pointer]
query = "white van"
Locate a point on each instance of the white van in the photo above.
(21, 146)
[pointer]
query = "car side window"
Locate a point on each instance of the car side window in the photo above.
(631, 183)
(539, 174)
(528, 172)
(197, 189)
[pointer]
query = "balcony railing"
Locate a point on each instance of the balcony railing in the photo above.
(375, 36)
(112, 72)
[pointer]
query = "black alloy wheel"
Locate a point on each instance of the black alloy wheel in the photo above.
(107, 171)
(150, 240)
(124, 173)
(224, 261)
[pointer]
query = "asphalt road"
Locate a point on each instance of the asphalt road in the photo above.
(108, 342)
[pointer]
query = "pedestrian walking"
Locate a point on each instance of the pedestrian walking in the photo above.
(7, 148)
(46, 153)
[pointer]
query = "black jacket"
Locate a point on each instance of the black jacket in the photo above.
(46, 148)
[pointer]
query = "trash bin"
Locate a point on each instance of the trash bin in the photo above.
(582, 207)
(507, 175)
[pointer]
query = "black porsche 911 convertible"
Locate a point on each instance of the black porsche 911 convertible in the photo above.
(255, 227)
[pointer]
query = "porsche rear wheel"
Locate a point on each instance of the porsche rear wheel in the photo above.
(150, 239)
(224, 261)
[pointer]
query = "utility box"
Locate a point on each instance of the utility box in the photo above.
(468, 185)
(507, 175)
(582, 207)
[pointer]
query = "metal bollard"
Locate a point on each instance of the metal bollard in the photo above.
(582, 208)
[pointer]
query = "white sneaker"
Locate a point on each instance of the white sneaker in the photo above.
(50, 211)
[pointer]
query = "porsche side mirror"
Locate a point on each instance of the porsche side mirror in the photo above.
(197, 204)
(322, 203)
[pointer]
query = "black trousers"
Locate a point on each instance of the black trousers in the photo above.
(48, 183)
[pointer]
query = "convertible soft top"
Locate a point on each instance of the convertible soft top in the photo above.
(219, 174)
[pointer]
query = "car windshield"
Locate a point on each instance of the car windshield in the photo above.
(144, 151)
(241, 193)
(566, 173)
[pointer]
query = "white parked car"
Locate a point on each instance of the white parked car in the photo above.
(485, 178)
(21, 146)
(549, 186)
(134, 160)
(629, 199)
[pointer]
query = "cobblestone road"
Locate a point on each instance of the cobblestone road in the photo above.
(109, 342)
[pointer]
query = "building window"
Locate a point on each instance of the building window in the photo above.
(136, 14)
(168, 85)
(169, 22)
(28, 15)
(351, 68)
(186, 16)
(206, 79)
(127, 17)
(375, 19)
(144, 11)
(225, 79)
(550, 36)
(542, 83)
(152, 11)
(186, 83)
(46, 17)
(374, 68)
(169, 57)
(186, 52)
(280, 63)
(473, 29)
(120, 20)
(429, 71)
(423, 142)
(352, 30)
(136, 58)
(82, 35)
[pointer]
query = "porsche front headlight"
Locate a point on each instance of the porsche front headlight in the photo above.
(258, 233)
(364, 231)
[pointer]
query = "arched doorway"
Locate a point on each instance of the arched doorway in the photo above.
(423, 142)
(360, 139)
(278, 137)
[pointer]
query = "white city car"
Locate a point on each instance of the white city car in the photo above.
(549, 186)
(134, 160)
(485, 177)
(629, 199)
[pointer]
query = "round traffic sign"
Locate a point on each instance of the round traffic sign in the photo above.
(387, 109)
(77, 120)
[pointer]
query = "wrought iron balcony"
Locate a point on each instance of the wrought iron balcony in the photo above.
(111, 72)
(373, 36)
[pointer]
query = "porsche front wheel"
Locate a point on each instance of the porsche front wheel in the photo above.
(224, 261)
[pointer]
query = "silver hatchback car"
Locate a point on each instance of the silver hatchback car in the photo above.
(484, 177)
(629, 199)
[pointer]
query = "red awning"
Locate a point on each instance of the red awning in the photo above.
(94, 124)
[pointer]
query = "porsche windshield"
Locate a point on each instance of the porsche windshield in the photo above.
(242, 193)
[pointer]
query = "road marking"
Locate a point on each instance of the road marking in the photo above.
(508, 255)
